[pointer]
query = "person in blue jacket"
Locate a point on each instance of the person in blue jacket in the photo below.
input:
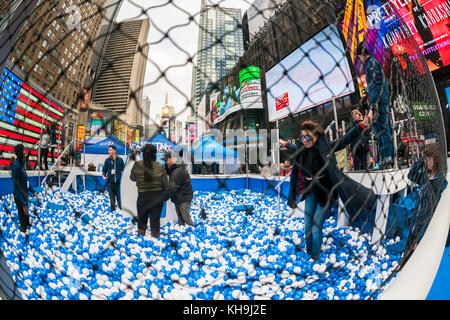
(430, 179)
(112, 172)
(379, 97)
(21, 187)
(320, 183)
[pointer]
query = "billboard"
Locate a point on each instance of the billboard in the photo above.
(119, 130)
(86, 97)
(246, 95)
(214, 107)
(98, 126)
(308, 76)
(81, 135)
(23, 114)
(377, 21)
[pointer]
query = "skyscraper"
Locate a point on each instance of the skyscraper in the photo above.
(220, 45)
(112, 8)
(120, 81)
(54, 46)
(53, 50)
(145, 111)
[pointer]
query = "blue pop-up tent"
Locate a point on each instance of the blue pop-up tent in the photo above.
(208, 150)
(98, 152)
(161, 143)
(101, 147)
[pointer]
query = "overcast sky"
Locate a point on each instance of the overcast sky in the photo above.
(171, 56)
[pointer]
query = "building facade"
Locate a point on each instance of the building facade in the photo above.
(120, 80)
(220, 45)
(145, 105)
(54, 47)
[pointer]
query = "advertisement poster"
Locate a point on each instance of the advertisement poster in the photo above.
(377, 21)
(230, 101)
(250, 88)
(23, 113)
(427, 20)
(81, 135)
(98, 126)
(282, 101)
(191, 131)
(248, 95)
(290, 80)
(214, 106)
(259, 13)
(425, 111)
(119, 130)
(85, 102)
(130, 136)
(136, 135)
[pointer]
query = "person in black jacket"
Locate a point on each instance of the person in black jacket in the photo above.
(360, 147)
(112, 172)
(430, 179)
(21, 187)
(316, 177)
(181, 192)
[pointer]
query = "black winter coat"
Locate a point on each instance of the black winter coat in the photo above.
(355, 196)
(361, 144)
(180, 181)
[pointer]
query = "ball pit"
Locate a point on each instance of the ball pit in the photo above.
(231, 254)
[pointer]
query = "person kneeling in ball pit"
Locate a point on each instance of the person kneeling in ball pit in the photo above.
(181, 192)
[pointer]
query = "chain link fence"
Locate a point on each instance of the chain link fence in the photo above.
(338, 230)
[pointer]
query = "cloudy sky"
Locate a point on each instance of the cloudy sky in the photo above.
(170, 55)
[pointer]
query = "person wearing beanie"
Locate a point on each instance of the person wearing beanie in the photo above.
(181, 188)
(21, 187)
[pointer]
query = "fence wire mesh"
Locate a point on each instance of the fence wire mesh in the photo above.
(359, 126)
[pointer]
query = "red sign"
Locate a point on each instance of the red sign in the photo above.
(85, 102)
(282, 101)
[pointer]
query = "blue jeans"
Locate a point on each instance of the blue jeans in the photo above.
(382, 130)
(315, 216)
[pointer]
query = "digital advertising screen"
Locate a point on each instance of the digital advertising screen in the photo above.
(242, 94)
(98, 126)
(386, 25)
(23, 114)
(313, 74)
(119, 130)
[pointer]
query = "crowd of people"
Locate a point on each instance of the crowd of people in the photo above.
(314, 168)
(157, 184)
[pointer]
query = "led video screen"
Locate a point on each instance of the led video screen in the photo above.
(23, 114)
(313, 74)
